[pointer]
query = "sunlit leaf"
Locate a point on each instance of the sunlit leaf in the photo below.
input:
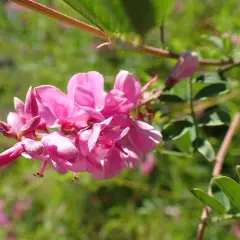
(223, 199)
(214, 118)
(208, 200)
(230, 188)
(205, 148)
(175, 129)
(210, 78)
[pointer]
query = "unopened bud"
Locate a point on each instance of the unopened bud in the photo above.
(186, 66)
(7, 130)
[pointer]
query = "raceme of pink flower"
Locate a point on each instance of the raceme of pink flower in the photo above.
(186, 66)
(84, 130)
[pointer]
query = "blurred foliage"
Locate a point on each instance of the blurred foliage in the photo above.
(38, 50)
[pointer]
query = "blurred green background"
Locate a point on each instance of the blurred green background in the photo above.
(37, 50)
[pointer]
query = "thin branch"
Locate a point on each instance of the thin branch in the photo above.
(30, 4)
(228, 67)
(35, 6)
(217, 170)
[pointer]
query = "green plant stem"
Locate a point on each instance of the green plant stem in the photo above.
(226, 217)
(192, 108)
(217, 170)
(30, 4)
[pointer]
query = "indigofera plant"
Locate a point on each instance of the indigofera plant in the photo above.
(95, 130)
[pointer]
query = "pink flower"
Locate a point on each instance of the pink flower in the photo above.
(186, 66)
(4, 220)
(236, 229)
(149, 164)
(95, 134)
(20, 207)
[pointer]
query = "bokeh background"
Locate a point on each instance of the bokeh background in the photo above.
(37, 50)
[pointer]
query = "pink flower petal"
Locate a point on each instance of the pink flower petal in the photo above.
(59, 147)
(96, 129)
(80, 165)
(47, 116)
(32, 147)
(15, 121)
(144, 136)
(83, 97)
(129, 84)
(31, 107)
(11, 154)
(113, 163)
(93, 113)
(55, 100)
(93, 82)
(30, 126)
(19, 107)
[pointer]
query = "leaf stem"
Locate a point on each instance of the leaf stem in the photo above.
(217, 170)
(30, 4)
(192, 107)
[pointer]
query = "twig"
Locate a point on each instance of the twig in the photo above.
(228, 67)
(217, 170)
(30, 4)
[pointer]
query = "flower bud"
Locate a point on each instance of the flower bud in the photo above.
(7, 130)
(186, 66)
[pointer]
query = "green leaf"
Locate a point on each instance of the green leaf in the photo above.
(230, 188)
(204, 148)
(210, 78)
(170, 98)
(238, 171)
(208, 200)
(106, 15)
(217, 41)
(175, 129)
(223, 199)
(214, 118)
(155, 11)
(123, 17)
(183, 142)
(211, 90)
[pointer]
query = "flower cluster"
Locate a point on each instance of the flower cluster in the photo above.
(85, 130)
